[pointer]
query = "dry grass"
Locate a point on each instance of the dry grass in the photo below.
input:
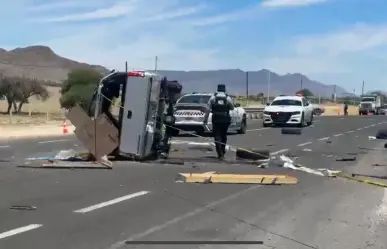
(51, 105)
(338, 109)
(41, 111)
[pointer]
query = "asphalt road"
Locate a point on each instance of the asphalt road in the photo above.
(92, 209)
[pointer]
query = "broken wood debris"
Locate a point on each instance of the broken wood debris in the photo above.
(346, 159)
(235, 178)
(23, 207)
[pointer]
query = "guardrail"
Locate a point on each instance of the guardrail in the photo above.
(254, 112)
(253, 109)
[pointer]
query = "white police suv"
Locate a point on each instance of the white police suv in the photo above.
(288, 110)
(192, 113)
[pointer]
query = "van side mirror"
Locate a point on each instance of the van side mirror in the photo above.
(267, 103)
(237, 105)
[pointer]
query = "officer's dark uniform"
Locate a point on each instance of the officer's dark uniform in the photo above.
(345, 109)
(221, 105)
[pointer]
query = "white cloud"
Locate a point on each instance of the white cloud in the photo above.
(117, 10)
(57, 5)
(140, 36)
(348, 51)
(355, 39)
(177, 13)
(243, 13)
(290, 3)
(181, 36)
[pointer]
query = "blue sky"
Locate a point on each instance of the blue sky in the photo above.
(339, 42)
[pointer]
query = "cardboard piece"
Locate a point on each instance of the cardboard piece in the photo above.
(77, 116)
(100, 137)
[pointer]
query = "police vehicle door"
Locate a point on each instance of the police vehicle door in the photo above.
(234, 115)
(307, 108)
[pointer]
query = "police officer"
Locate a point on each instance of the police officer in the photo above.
(220, 106)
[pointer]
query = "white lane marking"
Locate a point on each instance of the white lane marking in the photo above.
(4, 146)
(359, 129)
(338, 135)
(111, 202)
(177, 219)
(381, 210)
(323, 138)
(52, 141)
(341, 118)
(258, 129)
(278, 152)
(300, 145)
(350, 131)
(19, 230)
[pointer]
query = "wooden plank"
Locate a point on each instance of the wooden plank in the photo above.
(236, 178)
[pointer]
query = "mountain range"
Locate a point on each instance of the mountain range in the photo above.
(41, 62)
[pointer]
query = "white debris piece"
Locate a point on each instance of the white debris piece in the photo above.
(288, 163)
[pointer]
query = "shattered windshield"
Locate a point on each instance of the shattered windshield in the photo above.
(286, 102)
(195, 99)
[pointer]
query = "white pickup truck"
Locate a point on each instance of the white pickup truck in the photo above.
(192, 114)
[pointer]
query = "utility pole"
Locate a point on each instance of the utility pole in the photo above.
(156, 60)
(268, 88)
(334, 93)
(301, 84)
(319, 97)
(247, 88)
(362, 88)
(354, 96)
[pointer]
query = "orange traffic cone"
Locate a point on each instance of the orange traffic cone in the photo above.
(65, 130)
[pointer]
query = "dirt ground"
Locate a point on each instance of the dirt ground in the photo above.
(338, 109)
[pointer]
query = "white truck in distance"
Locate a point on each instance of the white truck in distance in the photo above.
(192, 113)
(370, 104)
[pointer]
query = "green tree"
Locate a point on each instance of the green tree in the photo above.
(305, 92)
(260, 95)
(79, 88)
(18, 90)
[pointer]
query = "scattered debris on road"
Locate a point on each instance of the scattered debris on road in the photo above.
(377, 164)
(291, 131)
(252, 154)
(22, 207)
(346, 159)
(355, 177)
(68, 159)
(381, 134)
(211, 177)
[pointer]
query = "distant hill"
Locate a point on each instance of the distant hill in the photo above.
(235, 80)
(39, 62)
(42, 63)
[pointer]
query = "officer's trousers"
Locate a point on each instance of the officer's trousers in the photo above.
(220, 135)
